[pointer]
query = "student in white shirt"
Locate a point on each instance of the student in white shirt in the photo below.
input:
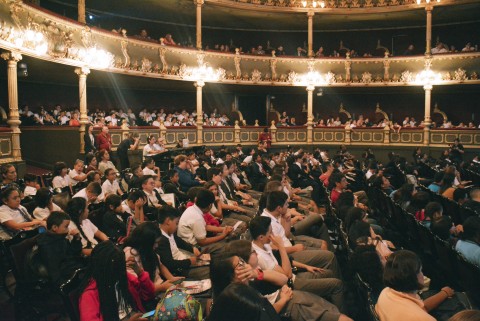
(77, 175)
(192, 226)
(315, 280)
(60, 177)
(30, 185)
(178, 256)
(90, 234)
(307, 249)
(111, 186)
(45, 204)
(149, 168)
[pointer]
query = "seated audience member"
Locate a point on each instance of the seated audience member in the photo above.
(13, 216)
(91, 162)
(89, 233)
(116, 223)
(469, 244)
(60, 256)
(340, 183)
(177, 255)
(230, 269)
(192, 226)
(152, 148)
(76, 175)
(172, 186)
(366, 262)
(141, 245)
(447, 188)
(137, 174)
(403, 196)
(133, 205)
(437, 182)
(45, 205)
(105, 162)
(307, 249)
(9, 174)
(108, 291)
(327, 170)
(60, 177)
(92, 193)
(149, 168)
(239, 302)
(313, 280)
(111, 186)
(186, 178)
(403, 278)
(474, 201)
(460, 196)
(259, 172)
(153, 198)
(31, 185)
(381, 182)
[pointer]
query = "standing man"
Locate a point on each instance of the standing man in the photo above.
(130, 143)
(104, 141)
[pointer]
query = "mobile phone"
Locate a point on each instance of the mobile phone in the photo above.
(177, 282)
(148, 314)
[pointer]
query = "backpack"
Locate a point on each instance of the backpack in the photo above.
(178, 305)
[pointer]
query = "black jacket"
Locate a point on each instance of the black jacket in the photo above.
(169, 187)
(89, 144)
(176, 267)
(60, 256)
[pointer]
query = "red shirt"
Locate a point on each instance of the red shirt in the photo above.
(141, 289)
(104, 142)
(334, 195)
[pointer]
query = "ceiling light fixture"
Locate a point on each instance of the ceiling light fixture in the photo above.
(312, 3)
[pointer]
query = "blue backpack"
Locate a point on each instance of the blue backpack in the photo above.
(178, 305)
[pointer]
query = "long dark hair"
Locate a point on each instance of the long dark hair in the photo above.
(142, 240)
(107, 267)
(75, 208)
(237, 302)
(222, 272)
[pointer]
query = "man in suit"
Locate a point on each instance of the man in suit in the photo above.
(180, 257)
(259, 173)
(301, 179)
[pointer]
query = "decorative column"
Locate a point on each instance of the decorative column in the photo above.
(199, 4)
(428, 120)
(273, 132)
(199, 85)
(310, 90)
(13, 117)
(82, 94)
(428, 47)
(81, 11)
(310, 15)
(237, 130)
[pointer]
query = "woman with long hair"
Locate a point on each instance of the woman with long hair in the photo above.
(78, 211)
(107, 292)
(141, 245)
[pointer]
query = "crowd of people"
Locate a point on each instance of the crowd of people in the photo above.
(260, 216)
(71, 117)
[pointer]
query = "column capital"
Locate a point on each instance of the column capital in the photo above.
(429, 8)
(11, 56)
(199, 83)
(310, 88)
(199, 2)
(310, 13)
(82, 71)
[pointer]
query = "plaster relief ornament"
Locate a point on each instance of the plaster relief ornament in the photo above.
(292, 77)
(474, 76)
(460, 74)
(146, 65)
(406, 77)
(330, 78)
(366, 77)
(256, 75)
(447, 76)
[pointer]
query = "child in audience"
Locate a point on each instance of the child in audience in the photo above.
(108, 292)
(438, 223)
(111, 186)
(116, 222)
(60, 178)
(60, 256)
(90, 234)
(31, 185)
(45, 205)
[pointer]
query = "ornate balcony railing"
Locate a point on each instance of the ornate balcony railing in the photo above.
(32, 31)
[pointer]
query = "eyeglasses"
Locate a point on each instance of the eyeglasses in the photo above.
(240, 263)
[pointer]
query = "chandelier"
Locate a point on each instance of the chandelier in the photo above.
(311, 80)
(30, 39)
(427, 1)
(427, 78)
(203, 73)
(95, 57)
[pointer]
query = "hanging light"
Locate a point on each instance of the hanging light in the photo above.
(311, 79)
(427, 78)
(95, 57)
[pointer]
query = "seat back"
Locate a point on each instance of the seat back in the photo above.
(19, 253)
(446, 260)
(468, 274)
(71, 294)
(426, 241)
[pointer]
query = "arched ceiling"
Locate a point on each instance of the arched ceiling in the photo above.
(181, 13)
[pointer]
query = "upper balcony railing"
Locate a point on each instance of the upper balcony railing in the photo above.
(34, 32)
(333, 6)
